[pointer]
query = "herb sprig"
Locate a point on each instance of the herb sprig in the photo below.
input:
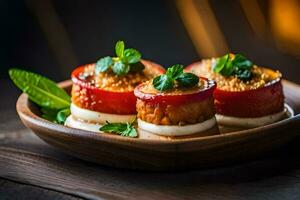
(127, 60)
(54, 101)
(123, 129)
(238, 66)
(174, 75)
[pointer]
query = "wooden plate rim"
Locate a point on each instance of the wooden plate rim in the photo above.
(28, 116)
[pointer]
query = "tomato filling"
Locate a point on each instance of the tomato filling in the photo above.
(176, 108)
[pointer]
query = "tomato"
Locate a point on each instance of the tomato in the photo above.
(176, 99)
(90, 97)
(250, 103)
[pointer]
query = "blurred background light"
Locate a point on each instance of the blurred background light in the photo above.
(52, 37)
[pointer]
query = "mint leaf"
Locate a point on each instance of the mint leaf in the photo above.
(127, 60)
(131, 56)
(243, 74)
(163, 82)
(103, 64)
(130, 131)
(113, 127)
(120, 68)
(124, 129)
(239, 66)
(187, 80)
(228, 69)
(40, 90)
(241, 62)
(119, 48)
(220, 63)
(175, 71)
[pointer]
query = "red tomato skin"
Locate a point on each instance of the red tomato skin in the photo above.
(259, 102)
(92, 98)
(251, 103)
(178, 99)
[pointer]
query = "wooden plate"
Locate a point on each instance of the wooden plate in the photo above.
(149, 153)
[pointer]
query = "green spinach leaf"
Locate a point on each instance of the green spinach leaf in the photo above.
(40, 90)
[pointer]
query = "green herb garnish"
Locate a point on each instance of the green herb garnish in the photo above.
(123, 129)
(54, 101)
(174, 75)
(127, 60)
(238, 66)
(62, 115)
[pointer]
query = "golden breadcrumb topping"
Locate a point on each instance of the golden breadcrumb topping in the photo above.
(149, 89)
(260, 77)
(112, 82)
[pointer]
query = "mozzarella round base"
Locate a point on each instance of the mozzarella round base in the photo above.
(255, 121)
(99, 117)
(74, 123)
(174, 130)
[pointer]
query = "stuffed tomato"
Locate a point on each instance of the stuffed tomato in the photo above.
(246, 95)
(103, 91)
(176, 104)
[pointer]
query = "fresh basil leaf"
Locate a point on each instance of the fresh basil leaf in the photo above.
(163, 82)
(241, 62)
(187, 80)
(239, 66)
(119, 48)
(103, 64)
(127, 60)
(175, 71)
(220, 63)
(131, 56)
(130, 131)
(40, 90)
(124, 129)
(114, 127)
(120, 68)
(137, 67)
(243, 74)
(62, 115)
(228, 69)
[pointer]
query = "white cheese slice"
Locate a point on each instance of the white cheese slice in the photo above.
(175, 130)
(99, 117)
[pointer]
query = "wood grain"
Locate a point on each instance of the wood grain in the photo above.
(11, 190)
(172, 154)
(255, 179)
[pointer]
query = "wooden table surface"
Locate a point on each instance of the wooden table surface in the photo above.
(31, 169)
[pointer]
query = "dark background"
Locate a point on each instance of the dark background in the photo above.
(91, 28)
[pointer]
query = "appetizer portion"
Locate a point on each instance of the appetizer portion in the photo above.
(175, 103)
(246, 95)
(54, 103)
(103, 91)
